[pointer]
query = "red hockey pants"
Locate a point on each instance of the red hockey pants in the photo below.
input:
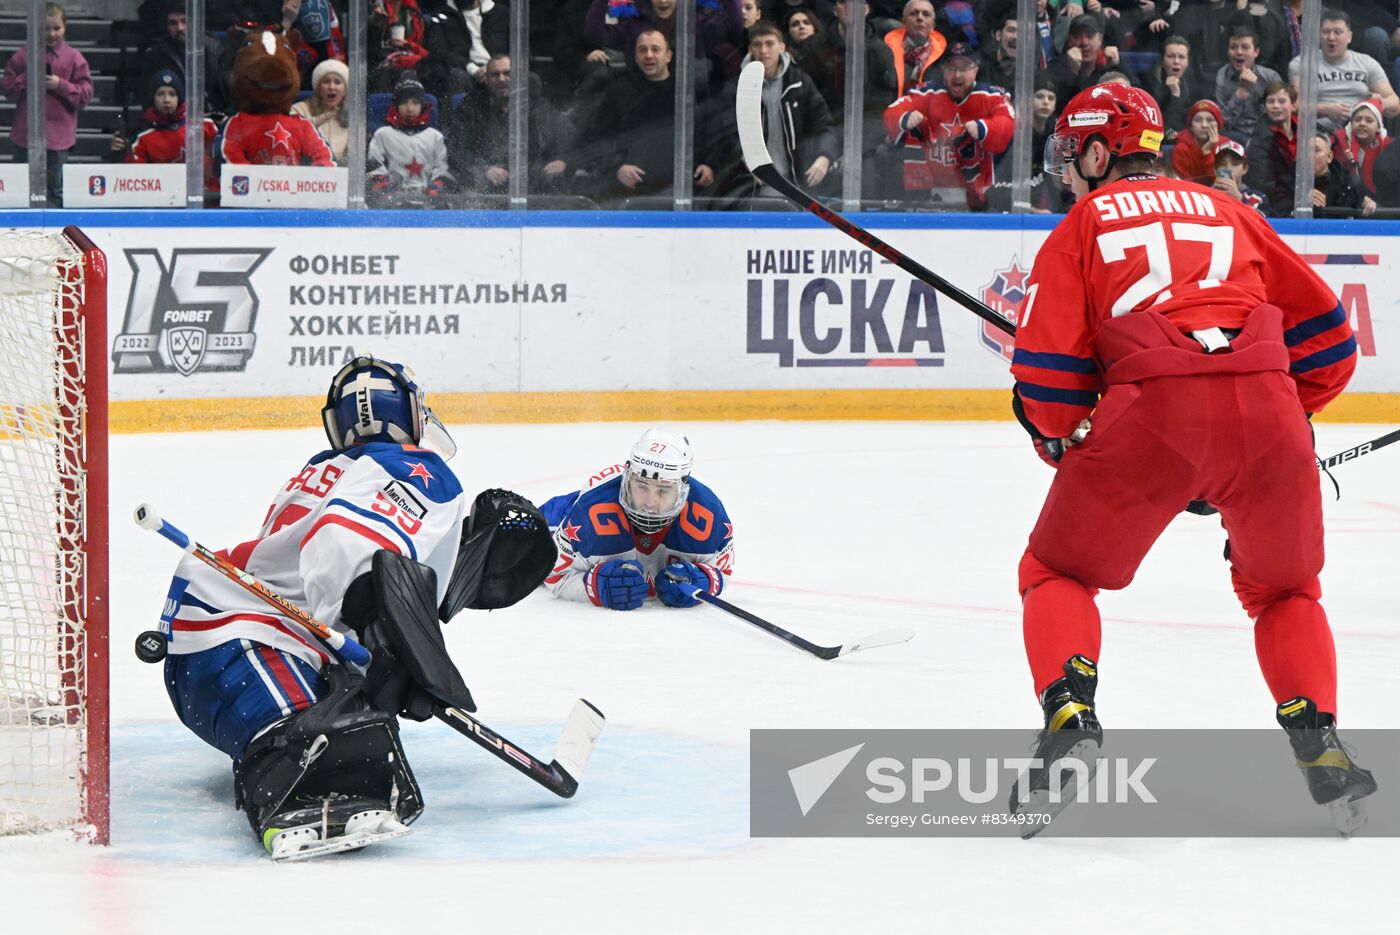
(1176, 425)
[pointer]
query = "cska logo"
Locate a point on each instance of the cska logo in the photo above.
(1004, 295)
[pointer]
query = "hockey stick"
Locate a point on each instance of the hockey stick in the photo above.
(873, 641)
(560, 776)
(1357, 451)
(748, 106)
(347, 647)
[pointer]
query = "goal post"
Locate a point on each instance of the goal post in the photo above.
(54, 740)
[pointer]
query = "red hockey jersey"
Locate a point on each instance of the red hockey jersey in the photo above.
(1199, 258)
(937, 154)
(274, 140)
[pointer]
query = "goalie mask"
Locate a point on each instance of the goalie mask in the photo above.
(372, 400)
(656, 482)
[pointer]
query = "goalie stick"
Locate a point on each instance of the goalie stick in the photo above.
(560, 776)
(345, 646)
(748, 106)
(873, 641)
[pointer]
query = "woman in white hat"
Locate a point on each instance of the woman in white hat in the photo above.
(325, 108)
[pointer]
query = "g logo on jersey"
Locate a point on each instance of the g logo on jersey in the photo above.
(196, 314)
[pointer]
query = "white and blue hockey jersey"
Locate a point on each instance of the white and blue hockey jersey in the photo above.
(591, 527)
(319, 535)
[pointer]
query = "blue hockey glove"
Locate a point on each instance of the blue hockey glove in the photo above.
(618, 585)
(677, 583)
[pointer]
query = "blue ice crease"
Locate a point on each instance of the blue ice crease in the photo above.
(643, 793)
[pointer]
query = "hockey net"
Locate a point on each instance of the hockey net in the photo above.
(53, 535)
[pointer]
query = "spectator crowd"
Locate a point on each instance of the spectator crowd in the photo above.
(936, 106)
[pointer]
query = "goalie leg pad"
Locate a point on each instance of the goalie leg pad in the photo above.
(411, 669)
(506, 552)
(338, 747)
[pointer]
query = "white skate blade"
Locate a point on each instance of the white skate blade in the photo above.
(1038, 802)
(362, 830)
(1348, 814)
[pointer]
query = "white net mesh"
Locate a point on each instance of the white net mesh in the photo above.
(43, 718)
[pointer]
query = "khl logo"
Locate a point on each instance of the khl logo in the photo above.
(195, 314)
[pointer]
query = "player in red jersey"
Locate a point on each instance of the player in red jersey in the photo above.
(1170, 351)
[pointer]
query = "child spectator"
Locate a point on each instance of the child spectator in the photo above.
(1357, 145)
(1333, 187)
(1231, 163)
(1276, 149)
(160, 135)
(68, 89)
(1193, 158)
(326, 106)
(408, 155)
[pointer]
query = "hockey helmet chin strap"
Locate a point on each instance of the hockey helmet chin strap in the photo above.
(1097, 180)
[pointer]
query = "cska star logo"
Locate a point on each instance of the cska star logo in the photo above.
(1004, 294)
(420, 472)
(569, 530)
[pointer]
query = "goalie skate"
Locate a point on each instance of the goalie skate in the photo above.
(333, 828)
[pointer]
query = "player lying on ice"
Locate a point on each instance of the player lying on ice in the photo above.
(641, 529)
(371, 537)
(1200, 344)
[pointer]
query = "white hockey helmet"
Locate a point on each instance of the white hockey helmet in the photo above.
(656, 481)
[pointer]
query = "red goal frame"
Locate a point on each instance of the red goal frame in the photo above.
(89, 687)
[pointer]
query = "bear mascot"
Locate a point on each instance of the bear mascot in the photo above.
(265, 85)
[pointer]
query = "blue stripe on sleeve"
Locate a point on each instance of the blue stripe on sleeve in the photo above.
(1065, 362)
(378, 518)
(1314, 326)
(1053, 394)
(1325, 357)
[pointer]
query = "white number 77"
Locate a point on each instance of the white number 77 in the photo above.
(1114, 246)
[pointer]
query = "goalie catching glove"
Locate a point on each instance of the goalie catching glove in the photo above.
(506, 552)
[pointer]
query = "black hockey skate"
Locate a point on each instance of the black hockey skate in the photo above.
(330, 826)
(1333, 777)
(1071, 731)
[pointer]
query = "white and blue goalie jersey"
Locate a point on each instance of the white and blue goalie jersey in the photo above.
(319, 535)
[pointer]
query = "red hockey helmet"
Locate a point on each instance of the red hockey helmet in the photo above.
(1126, 119)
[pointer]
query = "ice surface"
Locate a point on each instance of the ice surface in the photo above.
(841, 530)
